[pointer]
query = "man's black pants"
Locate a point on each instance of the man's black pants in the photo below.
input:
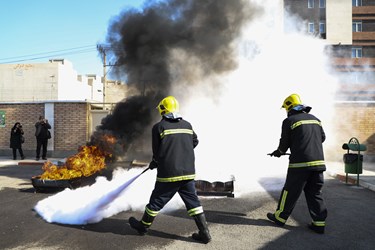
(41, 143)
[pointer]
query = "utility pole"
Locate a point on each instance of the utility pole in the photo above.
(102, 51)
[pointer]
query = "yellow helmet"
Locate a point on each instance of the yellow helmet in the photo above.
(168, 105)
(291, 101)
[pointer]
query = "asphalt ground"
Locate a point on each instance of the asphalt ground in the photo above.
(234, 223)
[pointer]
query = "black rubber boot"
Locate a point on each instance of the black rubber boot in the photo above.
(137, 225)
(203, 235)
(272, 217)
(316, 229)
(144, 224)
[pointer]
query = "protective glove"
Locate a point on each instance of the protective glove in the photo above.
(153, 164)
(276, 153)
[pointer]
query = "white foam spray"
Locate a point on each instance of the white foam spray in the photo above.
(128, 190)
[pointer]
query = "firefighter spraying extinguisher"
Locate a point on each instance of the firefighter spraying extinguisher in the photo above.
(173, 143)
(303, 134)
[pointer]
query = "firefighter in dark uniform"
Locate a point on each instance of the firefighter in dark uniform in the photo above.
(173, 143)
(303, 134)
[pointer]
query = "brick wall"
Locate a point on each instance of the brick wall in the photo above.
(27, 115)
(354, 120)
(350, 120)
(70, 127)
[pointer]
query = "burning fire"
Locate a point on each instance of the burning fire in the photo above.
(89, 160)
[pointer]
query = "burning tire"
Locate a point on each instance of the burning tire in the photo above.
(51, 186)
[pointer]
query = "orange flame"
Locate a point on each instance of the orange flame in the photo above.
(89, 160)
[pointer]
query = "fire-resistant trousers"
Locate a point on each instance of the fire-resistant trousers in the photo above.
(311, 182)
(164, 191)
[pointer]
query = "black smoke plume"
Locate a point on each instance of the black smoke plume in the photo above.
(141, 42)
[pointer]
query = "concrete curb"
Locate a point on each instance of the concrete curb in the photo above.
(30, 163)
(352, 180)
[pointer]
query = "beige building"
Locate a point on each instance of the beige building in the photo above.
(53, 80)
(338, 21)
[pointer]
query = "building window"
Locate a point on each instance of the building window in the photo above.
(357, 26)
(322, 3)
(322, 28)
(311, 28)
(310, 4)
(356, 52)
(357, 3)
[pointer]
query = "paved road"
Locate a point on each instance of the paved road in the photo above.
(235, 223)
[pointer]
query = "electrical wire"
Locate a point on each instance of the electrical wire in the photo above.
(13, 57)
(58, 53)
(71, 51)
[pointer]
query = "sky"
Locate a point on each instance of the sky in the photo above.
(35, 31)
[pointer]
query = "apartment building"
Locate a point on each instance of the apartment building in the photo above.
(348, 26)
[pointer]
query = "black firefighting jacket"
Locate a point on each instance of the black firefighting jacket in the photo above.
(303, 134)
(173, 143)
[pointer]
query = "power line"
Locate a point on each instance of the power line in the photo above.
(71, 51)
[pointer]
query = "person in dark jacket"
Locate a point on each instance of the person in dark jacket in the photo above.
(303, 134)
(16, 140)
(173, 143)
(42, 135)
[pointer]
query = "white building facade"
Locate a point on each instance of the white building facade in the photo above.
(54, 80)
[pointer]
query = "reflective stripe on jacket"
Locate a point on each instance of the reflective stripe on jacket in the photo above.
(173, 143)
(303, 134)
